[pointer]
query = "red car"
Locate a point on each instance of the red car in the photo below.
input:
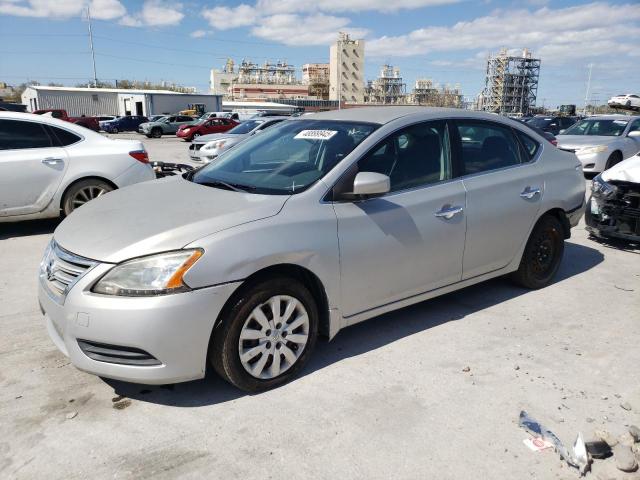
(204, 127)
(88, 122)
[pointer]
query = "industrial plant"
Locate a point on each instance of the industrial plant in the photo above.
(511, 83)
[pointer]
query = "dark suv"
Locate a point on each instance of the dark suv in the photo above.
(551, 124)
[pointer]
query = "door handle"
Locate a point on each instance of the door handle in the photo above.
(53, 161)
(529, 193)
(448, 212)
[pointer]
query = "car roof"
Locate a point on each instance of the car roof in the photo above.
(44, 119)
(382, 115)
(611, 117)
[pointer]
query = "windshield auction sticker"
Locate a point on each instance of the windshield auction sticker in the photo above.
(316, 134)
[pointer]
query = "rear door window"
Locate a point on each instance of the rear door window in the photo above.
(486, 146)
(529, 146)
(18, 135)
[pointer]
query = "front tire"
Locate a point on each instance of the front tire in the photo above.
(266, 336)
(82, 192)
(156, 132)
(542, 255)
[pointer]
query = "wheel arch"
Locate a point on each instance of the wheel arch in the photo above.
(305, 276)
(560, 214)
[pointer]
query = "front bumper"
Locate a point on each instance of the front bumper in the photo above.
(593, 162)
(617, 216)
(174, 329)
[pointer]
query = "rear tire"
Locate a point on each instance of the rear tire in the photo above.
(156, 132)
(542, 255)
(267, 335)
(614, 158)
(114, 130)
(82, 192)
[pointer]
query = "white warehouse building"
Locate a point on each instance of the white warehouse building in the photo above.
(115, 101)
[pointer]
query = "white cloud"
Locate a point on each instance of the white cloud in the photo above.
(557, 35)
(199, 33)
(100, 9)
(291, 29)
(155, 13)
(336, 6)
(225, 18)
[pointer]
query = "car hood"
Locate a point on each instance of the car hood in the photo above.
(580, 141)
(149, 124)
(158, 216)
(626, 171)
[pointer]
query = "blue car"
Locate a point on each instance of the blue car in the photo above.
(127, 123)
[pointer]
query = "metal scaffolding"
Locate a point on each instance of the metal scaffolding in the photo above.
(280, 73)
(511, 83)
(388, 88)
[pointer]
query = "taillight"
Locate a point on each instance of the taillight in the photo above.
(141, 155)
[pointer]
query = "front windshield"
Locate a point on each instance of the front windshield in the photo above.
(604, 128)
(540, 122)
(245, 127)
(287, 158)
(160, 119)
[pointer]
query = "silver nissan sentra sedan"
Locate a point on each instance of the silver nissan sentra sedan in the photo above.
(319, 223)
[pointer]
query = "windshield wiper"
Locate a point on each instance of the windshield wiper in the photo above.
(229, 186)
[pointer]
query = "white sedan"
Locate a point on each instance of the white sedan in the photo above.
(630, 101)
(49, 167)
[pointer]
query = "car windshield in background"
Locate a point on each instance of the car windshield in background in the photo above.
(540, 122)
(286, 158)
(604, 128)
(245, 127)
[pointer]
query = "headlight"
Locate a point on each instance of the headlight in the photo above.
(186, 130)
(148, 276)
(214, 145)
(596, 149)
(602, 188)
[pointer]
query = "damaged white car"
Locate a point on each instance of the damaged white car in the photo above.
(614, 207)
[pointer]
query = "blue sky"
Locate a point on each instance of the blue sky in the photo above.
(446, 40)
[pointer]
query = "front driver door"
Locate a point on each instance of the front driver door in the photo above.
(31, 167)
(411, 240)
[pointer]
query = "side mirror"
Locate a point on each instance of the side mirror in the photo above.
(634, 134)
(371, 184)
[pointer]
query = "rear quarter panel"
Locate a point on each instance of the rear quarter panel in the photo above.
(564, 181)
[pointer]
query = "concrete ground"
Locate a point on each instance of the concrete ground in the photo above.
(389, 398)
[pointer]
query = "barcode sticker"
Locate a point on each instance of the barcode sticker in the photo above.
(315, 134)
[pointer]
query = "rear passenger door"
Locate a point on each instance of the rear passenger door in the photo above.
(504, 189)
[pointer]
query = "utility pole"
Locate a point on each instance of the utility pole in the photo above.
(93, 55)
(586, 96)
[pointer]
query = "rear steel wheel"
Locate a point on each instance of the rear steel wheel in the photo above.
(542, 254)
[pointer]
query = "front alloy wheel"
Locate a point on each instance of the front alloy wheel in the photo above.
(266, 334)
(273, 337)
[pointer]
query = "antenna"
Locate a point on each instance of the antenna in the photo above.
(93, 55)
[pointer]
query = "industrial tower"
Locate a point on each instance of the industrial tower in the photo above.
(511, 84)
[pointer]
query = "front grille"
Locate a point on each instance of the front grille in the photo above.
(103, 352)
(60, 270)
(194, 147)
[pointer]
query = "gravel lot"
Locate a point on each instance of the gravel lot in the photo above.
(390, 398)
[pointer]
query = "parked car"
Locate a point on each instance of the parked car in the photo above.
(630, 101)
(208, 115)
(551, 124)
(600, 142)
(89, 122)
(204, 127)
(549, 136)
(127, 123)
(614, 207)
(49, 167)
(317, 223)
(167, 125)
(208, 147)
